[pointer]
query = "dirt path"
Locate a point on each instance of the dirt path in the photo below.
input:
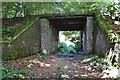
(54, 67)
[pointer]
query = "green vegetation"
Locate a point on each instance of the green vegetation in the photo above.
(93, 57)
(64, 48)
(111, 34)
(74, 36)
(118, 78)
(19, 31)
(33, 11)
(102, 60)
(41, 56)
(22, 9)
(7, 30)
(9, 73)
(16, 53)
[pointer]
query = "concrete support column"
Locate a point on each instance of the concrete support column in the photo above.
(89, 34)
(48, 37)
(84, 42)
(44, 36)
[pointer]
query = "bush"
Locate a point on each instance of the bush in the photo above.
(64, 48)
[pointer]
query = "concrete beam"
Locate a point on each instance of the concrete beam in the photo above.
(70, 27)
(58, 16)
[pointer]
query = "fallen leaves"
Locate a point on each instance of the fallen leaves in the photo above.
(69, 67)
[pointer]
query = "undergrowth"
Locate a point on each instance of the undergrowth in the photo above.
(14, 55)
(8, 73)
(40, 55)
(104, 62)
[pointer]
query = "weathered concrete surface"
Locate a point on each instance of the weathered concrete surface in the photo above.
(84, 42)
(100, 41)
(49, 37)
(29, 41)
(87, 36)
(43, 35)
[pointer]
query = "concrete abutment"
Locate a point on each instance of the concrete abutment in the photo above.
(44, 35)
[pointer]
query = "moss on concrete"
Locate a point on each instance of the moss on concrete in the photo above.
(22, 51)
(15, 54)
(111, 34)
(21, 30)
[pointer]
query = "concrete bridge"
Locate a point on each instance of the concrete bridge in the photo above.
(92, 35)
(43, 34)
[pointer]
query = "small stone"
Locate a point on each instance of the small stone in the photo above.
(85, 67)
(47, 65)
(69, 71)
(34, 61)
(93, 69)
(76, 75)
(84, 75)
(74, 65)
(64, 76)
(30, 65)
(38, 62)
(65, 67)
(53, 60)
(42, 64)
(20, 75)
(93, 73)
(97, 64)
(91, 64)
(30, 61)
(89, 69)
(54, 73)
(76, 71)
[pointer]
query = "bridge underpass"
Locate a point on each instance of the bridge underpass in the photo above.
(44, 34)
(53, 24)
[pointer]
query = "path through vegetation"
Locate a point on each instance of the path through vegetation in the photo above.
(54, 67)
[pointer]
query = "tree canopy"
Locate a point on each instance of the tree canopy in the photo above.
(22, 9)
